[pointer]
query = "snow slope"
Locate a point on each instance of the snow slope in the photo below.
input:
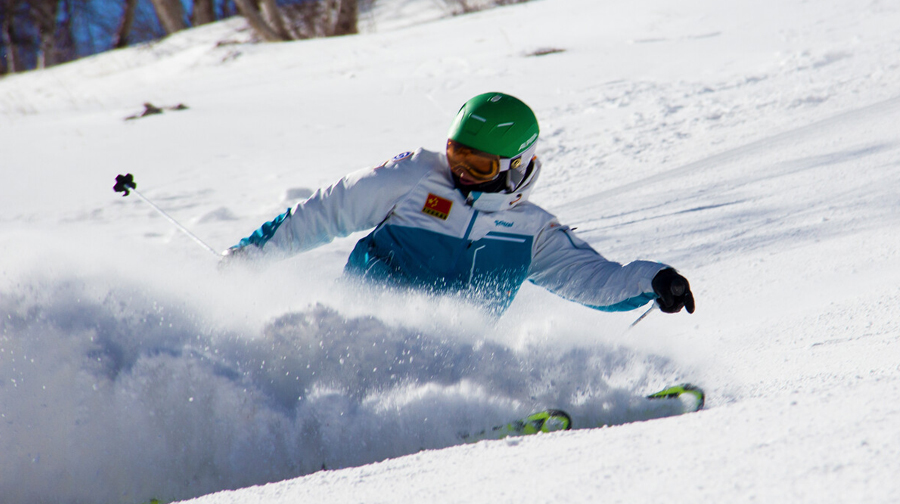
(753, 145)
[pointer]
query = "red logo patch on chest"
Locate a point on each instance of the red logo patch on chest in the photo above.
(437, 206)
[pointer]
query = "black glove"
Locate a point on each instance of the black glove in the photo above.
(673, 290)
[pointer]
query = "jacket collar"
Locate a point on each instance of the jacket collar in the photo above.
(494, 202)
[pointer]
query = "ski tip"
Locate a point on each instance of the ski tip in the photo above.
(558, 420)
(683, 389)
(698, 394)
(551, 420)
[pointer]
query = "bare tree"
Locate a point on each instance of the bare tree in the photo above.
(251, 12)
(171, 15)
(301, 20)
(347, 17)
(275, 18)
(44, 14)
(123, 32)
(204, 12)
(41, 33)
(7, 37)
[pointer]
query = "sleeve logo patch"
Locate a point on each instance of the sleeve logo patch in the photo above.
(437, 207)
(401, 156)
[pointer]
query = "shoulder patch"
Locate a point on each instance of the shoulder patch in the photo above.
(395, 159)
(436, 206)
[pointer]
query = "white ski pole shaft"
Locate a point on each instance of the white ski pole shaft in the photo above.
(642, 317)
(127, 185)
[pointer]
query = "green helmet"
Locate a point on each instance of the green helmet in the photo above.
(495, 123)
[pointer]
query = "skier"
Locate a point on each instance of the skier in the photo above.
(460, 222)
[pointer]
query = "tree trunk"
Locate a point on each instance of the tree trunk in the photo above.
(348, 14)
(272, 14)
(170, 14)
(45, 13)
(124, 31)
(66, 45)
(250, 12)
(203, 13)
(6, 35)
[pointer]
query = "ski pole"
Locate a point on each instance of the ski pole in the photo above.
(642, 317)
(126, 184)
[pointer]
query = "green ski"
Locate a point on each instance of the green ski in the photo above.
(550, 420)
(692, 397)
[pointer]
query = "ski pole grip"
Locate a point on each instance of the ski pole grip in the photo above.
(124, 183)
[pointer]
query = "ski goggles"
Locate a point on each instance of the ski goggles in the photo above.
(475, 165)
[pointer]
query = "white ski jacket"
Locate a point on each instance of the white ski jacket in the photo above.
(428, 235)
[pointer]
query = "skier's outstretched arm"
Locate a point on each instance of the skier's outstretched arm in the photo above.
(570, 268)
(357, 202)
